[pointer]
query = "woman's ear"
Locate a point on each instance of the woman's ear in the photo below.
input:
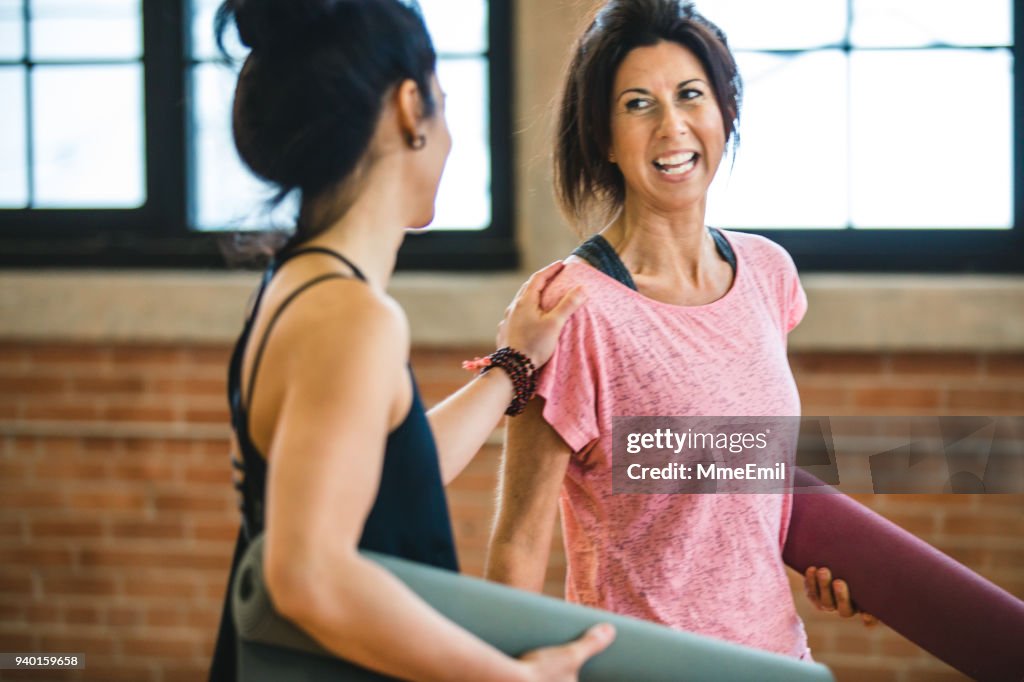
(409, 102)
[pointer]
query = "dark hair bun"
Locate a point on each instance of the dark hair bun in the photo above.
(264, 24)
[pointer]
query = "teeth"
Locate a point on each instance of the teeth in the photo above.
(676, 170)
(675, 159)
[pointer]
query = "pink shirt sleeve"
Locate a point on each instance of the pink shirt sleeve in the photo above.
(567, 385)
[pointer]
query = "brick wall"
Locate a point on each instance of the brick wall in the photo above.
(117, 514)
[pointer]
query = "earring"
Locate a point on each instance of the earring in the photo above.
(417, 142)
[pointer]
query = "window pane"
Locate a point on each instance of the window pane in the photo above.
(79, 29)
(229, 197)
(791, 167)
(457, 26)
(464, 198)
(780, 25)
(12, 43)
(13, 178)
(88, 145)
(932, 139)
(915, 23)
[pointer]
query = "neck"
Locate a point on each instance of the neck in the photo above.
(656, 243)
(371, 230)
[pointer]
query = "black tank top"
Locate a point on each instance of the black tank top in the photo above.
(409, 517)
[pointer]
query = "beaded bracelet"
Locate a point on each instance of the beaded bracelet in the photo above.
(520, 370)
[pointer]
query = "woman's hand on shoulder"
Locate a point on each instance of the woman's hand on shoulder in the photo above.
(832, 595)
(531, 329)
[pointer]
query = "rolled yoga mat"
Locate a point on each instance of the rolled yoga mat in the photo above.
(271, 649)
(926, 596)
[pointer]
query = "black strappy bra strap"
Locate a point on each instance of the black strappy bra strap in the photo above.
(724, 247)
(600, 254)
(274, 267)
(287, 256)
(277, 315)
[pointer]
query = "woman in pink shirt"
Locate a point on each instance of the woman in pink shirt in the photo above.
(680, 320)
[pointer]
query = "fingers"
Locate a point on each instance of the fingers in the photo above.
(539, 280)
(594, 641)
(811, 585)
(569, 304)
(825, 589)
(869, 620)
(842, 598)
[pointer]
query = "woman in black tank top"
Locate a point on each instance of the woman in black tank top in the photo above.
(338, 101)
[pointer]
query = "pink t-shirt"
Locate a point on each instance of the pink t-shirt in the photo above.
(710, 563)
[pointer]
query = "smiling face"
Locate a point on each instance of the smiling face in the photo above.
(667, 136)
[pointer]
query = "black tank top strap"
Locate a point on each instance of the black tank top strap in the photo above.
(292, 253)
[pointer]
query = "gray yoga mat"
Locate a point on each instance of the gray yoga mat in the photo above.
(272, 649)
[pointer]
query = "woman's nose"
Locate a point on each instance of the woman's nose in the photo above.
(673, 122)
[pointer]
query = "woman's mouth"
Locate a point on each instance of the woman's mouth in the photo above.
(676, 164)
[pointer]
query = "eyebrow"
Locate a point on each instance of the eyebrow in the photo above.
(644, 91)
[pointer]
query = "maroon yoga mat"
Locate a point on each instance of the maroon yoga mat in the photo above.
(926, 596)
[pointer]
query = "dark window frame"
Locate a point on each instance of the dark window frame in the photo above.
(158, 233)
(921, 250)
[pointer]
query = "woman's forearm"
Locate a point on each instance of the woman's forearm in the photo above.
(362, 613)
(463, 422)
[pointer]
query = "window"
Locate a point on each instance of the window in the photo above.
(877, 134)
(116, 142)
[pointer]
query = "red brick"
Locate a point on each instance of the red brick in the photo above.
(224, 531)
(144, 470)
(896, 398)
(985, 526)
(79, 585)
(164, 646)
(109, 500)
(943, 365)
(218, 474)
(123, 616)
(168, 557)
(64, 468)
(188, 673)
(90, 645)
(164, 616)
(137, 413)
(57, 411)
(83, 615)
(175, 502)
(47, 385)
(865, 673)
(108, 384)
(17, 641)
(36, 557)
(15, 583)
(163, 356)
(42, 614)
(64, 354)
(121, 672)
(68, 528)
(209, 355)
(160, 587)
(208, 415)
(1002, 366)
(837, 363)
(169, 529)
(987, 401)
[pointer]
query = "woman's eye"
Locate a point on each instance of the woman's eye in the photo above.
(637, 104)
(689, 93)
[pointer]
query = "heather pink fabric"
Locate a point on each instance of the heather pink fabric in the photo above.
(710, 564)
